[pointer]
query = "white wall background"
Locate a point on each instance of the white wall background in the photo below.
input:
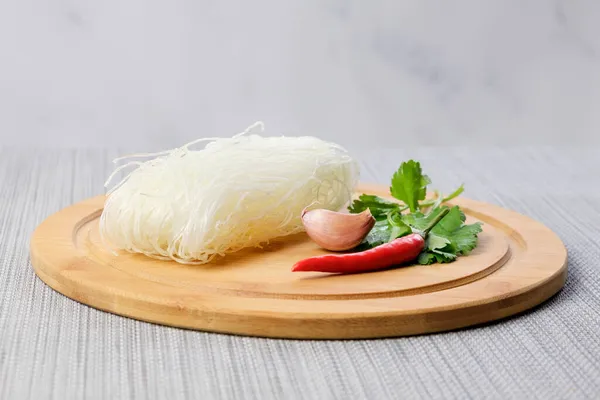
(362, 73)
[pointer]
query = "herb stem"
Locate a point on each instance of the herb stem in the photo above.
(451, 196)
(434, 222)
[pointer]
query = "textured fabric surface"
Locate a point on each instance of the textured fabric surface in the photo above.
(52, 347)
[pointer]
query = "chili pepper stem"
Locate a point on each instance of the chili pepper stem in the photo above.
(434, 222)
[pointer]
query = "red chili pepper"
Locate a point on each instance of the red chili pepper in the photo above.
(398, 251)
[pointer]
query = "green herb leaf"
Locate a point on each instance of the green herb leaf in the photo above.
(452, 221)
(462, 237)
(436, 242)
(419, 221)
(440, 248)
(426, 258)
(377, 236)
(443, 256)
(378, 206)
(385, 231)
(450, 238)
(409, 185)
(399, 228)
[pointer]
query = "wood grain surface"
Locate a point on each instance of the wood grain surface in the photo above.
(518, 264)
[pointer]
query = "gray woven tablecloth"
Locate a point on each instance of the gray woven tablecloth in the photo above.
(53, 347)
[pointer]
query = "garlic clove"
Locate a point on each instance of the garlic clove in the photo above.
(337, 231)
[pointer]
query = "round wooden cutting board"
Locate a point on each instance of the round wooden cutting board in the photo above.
(518, 264)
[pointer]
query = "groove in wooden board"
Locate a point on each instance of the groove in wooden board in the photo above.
(297, 307)
(241, 275)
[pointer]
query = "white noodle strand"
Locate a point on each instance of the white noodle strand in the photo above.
(191, 206)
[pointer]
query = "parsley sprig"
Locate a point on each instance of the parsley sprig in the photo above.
(449, 239)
